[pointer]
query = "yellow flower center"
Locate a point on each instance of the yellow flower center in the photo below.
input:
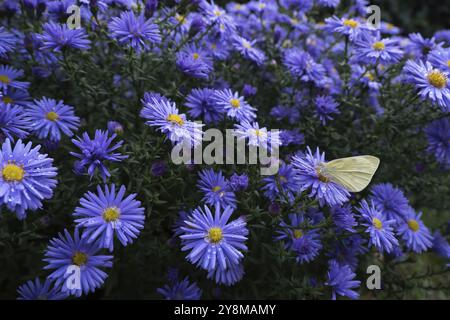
(213, 46)
(437, 79)
(7, 100)
(379, 46)
(216, 188)
(180, 18)
(377, 223)
(369, 76)
(215, 235)
(111, 214)
(247, 44)
(175, 118)
(282, 179)
(52, 116)
(448, 63)
(235, 103)
(413, 225)
(79, 258)
(390, 26)
(294, 21)
(12, 172)
(298, 234)
(350, 23)
(196, 56)
(4, 79)
(217, 13)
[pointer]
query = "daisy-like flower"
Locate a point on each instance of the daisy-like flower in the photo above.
(201, 105)
(421, 46)
(438, 135)
(108, 213)
(218, 17)
(346, 251)
(379, 228)
(390, 201)
(309, 172)
(341, 280)
(163, 114)
(433, 84)
(301, 65)
(95, 152)
(328, 3)
(369, 49)
(441, 245)
(416, 235)
(7, 41)
(305, 243)
(234, 105)
(326, 106)
(440, 59)
(50, 118)
(350, 27)
(247, 49)
(27, 177)
(135, 32)
(69, 256)
(194, 62)
(15, 96)
(343, 218)
(257, 137)
(284, 183)
(228, 277)
(13, 122)
(36, 290)
(181, 290)
(115, 127)
(216, 189)
(213, 241)
(57, 37)
(238, 182)
(8, 76)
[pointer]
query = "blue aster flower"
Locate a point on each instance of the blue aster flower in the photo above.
(134, 32)
(13, 122)
(414, 233)
(216, 189)
(163, 114)
(234, 105)
(256, 136)
(66, 252)
(217, 47)
(294, 137)
(108, 213)
(308, 170)
(390, 201)
(438, 135)
(57, 37)
(440, 59)
(421, 46)
(214, 241)
(443, 36)
(36, 290)
(201, 105)
(238, 182)
(194, 62)
(328, 3)
(228, 277)
(374, 50)
(181, 290)
(432, 83)
(95, 152)
(353, 28)
(346, 250)
(326, 106)
(15, 96)
(343, 218)
(283, 184)
(283, 112)
(441, 245)
(50, 118)
(7, 41)
(341, 280)
(8, 76)
(379, 228)
(27, 177)
(248, 50)
(218, 17)
(305, 243)
(301, 65)
(115, 127)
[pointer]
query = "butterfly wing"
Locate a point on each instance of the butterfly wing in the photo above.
(353, 173)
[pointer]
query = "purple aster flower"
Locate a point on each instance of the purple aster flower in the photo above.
(390, 201)
(8, 76)
(194, 62)
(438, 135)
(294, 137)
(65, 253)
(27, 177)
(283, 112)
(201, 105)
(135, 32)
(346, 250)
(440, 59)
(353, 28)
(248, 90)
(432, 83)
(380, 229)
(443, 36)
(217, 48)
(108, 213)
(13, 122)
(181, 290)
(234, 105)
(15, 96)
(326, 106)
(416, 235)
(283, 184)
(247, 50)
(162, 113)
(213, 241)
(232, 275)
(238, 182)
(115, 127)
(94, 152)
(51, 117)
(7, 41)
(328, 3)
(441, 245)
(375, 50)
(257, 137)
(218, 17)
(341, 280)
(343, 218)
(158, 168)
(301, 65)
(421, 46)
(57, 37)
(36, 290)
(308, 170)
(305, 243)
(388, 28)
(216, 189)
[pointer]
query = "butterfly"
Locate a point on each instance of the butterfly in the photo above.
(353, 173)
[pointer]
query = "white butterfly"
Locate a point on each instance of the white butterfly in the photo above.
(353, 173)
